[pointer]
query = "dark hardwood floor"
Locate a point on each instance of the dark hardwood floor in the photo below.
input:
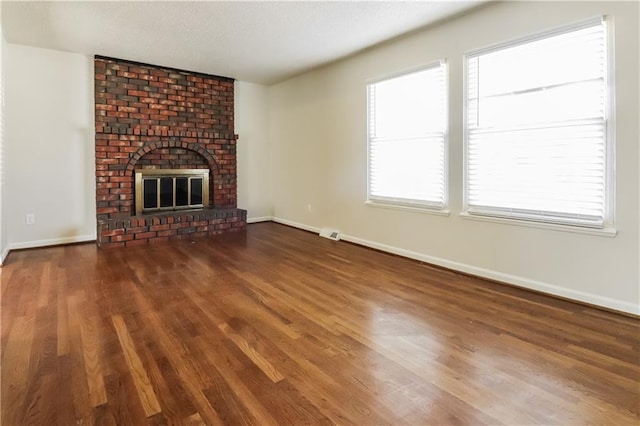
(279, 326)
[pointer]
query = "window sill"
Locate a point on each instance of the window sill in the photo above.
(601, 232)
(409, 208)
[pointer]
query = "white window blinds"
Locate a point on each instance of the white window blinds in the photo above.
(537, 128)
(406, 138)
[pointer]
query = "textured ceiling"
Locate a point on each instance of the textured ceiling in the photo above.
(261, 42)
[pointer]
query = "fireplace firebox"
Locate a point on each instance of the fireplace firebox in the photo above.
(168, 189)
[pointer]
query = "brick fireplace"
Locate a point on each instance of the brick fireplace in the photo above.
(150, 117)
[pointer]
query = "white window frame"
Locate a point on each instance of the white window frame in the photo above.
(608, 227)
(411, 205)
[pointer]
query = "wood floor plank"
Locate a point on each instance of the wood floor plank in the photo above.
(123, 400)
(63, 399)
(62, 323)
(192, 372)
(86, 345)
(39, 408)
(255, 356)
(5, 278)
(277, 326)
(172, 394)
(230, 364)
(90, 334)
(38, 405)
(15, 372)
(140, 377)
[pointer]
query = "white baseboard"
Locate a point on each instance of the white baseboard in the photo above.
(3, 255)
(259, 219)
(296, 225)
(593, 299)
(52, 242)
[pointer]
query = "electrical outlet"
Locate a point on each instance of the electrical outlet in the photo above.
(30, 218)
(309, 208)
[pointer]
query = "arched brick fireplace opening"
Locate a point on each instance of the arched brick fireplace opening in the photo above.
(170, 155)
(152, 118)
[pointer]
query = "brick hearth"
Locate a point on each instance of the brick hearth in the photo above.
(154, 117)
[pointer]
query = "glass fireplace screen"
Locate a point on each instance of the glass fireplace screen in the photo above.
(171, 189)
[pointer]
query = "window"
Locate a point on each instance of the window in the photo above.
(406, 139)
(537, 146)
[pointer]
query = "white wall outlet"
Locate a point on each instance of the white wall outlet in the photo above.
(309, 209)
(30, 218)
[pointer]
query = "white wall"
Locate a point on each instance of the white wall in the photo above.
(49, 138)
(318, 137)
(254, 162)
(4, 245)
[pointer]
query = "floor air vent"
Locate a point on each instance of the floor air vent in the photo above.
(331, 234)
